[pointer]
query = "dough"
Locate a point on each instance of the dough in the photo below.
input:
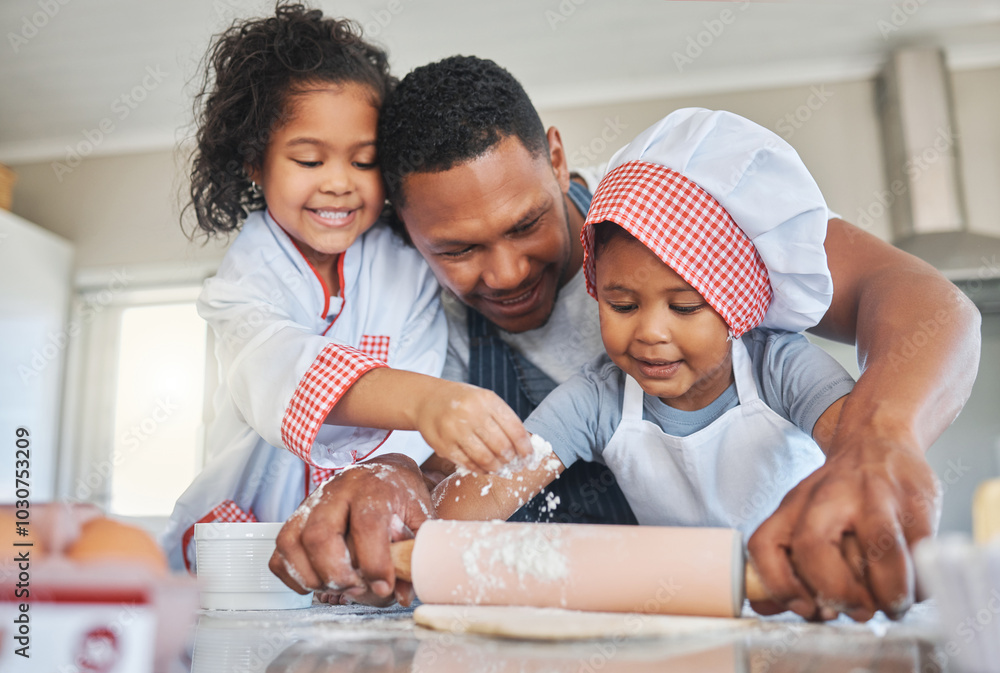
(557, 624)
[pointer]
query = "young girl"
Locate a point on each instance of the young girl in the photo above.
(704, 420)
(315, 297)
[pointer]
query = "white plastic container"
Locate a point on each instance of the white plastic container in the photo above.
(233, 572)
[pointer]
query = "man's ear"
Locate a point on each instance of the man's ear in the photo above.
(557, 156)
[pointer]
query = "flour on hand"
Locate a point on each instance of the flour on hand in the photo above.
(541, 450)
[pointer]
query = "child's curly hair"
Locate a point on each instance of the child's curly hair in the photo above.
(249, 73)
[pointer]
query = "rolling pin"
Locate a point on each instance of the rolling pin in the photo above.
(649, 569)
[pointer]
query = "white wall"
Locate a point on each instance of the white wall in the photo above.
(120, 211)
(977, 112)
(35, 287)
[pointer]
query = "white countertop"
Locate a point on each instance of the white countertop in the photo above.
(361, 639)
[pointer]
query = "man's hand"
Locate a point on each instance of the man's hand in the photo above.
(337, 541)
(841, 540)
(472, 427)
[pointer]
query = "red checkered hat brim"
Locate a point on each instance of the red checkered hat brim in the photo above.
(690, 231)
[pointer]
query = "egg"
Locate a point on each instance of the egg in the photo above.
(103, 540)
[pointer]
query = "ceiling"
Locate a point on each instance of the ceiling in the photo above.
(116, 75)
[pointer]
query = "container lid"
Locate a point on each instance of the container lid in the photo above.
(236, 531)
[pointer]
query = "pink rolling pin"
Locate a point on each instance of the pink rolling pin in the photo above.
(650, 569)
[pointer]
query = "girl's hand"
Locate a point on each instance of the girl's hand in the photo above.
(472, 427)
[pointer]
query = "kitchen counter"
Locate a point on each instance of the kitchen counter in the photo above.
(327, 639)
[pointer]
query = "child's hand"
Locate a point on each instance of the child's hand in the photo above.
(472, 427)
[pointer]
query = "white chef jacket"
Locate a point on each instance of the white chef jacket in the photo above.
(288, 351)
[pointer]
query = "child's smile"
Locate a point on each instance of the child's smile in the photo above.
(320, 173)
(658, 369)
(658, 329)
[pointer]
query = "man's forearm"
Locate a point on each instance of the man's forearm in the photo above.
(917, 375)
(918, 340)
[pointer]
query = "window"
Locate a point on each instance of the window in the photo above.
(158, 408)
(138, 377)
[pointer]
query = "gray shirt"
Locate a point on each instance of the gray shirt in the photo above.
(797, 379)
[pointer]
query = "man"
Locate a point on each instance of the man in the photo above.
(484, 194)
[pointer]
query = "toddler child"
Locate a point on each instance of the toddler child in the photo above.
(705, 418)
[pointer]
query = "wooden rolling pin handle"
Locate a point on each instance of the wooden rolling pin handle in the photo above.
(401, 553)
(753, 588)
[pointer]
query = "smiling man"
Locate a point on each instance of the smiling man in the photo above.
(502, 237)
(496, 240)
(483, 192)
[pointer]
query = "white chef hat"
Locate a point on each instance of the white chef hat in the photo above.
(763, 185)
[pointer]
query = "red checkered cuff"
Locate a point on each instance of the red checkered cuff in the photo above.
(226, 511)
(229, 512)
(375, 345)
(335, 370)
(317, 475)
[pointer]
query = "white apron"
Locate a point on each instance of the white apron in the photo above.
(733, 473)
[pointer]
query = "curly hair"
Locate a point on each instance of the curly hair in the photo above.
(250, 72)
(445, 113)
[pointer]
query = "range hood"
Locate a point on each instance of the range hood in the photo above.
(925, 188)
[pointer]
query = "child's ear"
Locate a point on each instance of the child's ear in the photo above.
(253, 173)
(557, 156)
